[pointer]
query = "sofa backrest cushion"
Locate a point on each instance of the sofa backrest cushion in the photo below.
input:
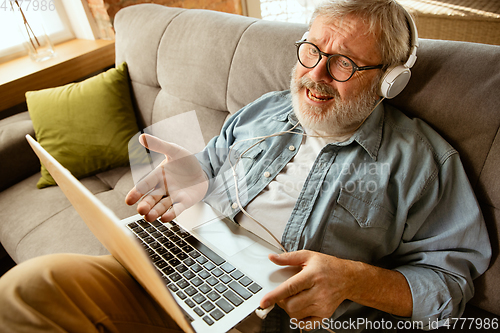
(204, 61)
(215, 63)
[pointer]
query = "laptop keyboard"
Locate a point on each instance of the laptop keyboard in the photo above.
(207, 283)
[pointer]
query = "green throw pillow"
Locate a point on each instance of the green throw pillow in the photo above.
(86, 126)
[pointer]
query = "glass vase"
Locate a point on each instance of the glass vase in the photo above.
(36, 40)
(39, 46)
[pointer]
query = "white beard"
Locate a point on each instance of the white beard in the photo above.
(339, 116)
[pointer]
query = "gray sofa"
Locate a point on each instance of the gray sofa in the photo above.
(214, 63)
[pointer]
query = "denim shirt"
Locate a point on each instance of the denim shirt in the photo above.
(395, 195)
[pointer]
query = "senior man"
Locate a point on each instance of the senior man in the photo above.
(374, 207)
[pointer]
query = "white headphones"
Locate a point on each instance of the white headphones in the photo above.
(397, 77)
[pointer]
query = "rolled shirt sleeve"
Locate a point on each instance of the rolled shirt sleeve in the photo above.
(444, 246)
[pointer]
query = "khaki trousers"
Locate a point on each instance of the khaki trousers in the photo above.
(77, 293)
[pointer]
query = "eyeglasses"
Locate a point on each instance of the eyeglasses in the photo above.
(340, 67)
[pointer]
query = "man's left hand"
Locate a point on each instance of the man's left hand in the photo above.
(316, 291)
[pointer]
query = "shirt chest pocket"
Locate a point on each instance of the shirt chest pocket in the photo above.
(366, 214)
(357, 229)
(224, 181)
(249, 157)
(246, 162)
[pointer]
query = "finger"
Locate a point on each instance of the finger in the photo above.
(299, 306)
(170, 214)
(180, 204)
(149, 201)
(306, 304)
(132, 196)
(290, 287)
(296, 258)
(166, 148)
(144, 186)
(159, 209)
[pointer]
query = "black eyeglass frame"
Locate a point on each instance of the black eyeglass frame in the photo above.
(355, 68)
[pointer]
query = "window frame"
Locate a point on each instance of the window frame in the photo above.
(81, 25)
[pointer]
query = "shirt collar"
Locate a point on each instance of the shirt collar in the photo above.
(369, 134)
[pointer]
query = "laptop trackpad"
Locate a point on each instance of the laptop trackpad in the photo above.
(226, 237)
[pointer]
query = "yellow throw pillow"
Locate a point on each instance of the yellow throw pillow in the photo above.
(86, 126)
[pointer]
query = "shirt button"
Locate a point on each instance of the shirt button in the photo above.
(267, 174)
(234, 205)
(291, 148)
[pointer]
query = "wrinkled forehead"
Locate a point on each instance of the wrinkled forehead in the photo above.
(354, 22)
(351, 35)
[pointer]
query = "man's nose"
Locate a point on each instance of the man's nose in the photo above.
(320, 72)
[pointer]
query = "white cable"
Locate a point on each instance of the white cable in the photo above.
(261, 139)
(262, 313)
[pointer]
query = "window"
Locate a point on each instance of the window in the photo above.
(49, 13)
(298, 11)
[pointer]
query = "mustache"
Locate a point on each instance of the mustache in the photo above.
(322, 88)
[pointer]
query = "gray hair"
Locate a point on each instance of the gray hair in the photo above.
(386, 19)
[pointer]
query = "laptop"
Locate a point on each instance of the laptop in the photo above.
(207, 272)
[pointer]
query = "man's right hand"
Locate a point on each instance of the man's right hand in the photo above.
(175, 185)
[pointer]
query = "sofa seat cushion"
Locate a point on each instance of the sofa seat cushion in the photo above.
(47, 211)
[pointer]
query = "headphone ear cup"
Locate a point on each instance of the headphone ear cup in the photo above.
(394, 81)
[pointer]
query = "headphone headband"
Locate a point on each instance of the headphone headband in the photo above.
(396, 78)
(413, 38)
